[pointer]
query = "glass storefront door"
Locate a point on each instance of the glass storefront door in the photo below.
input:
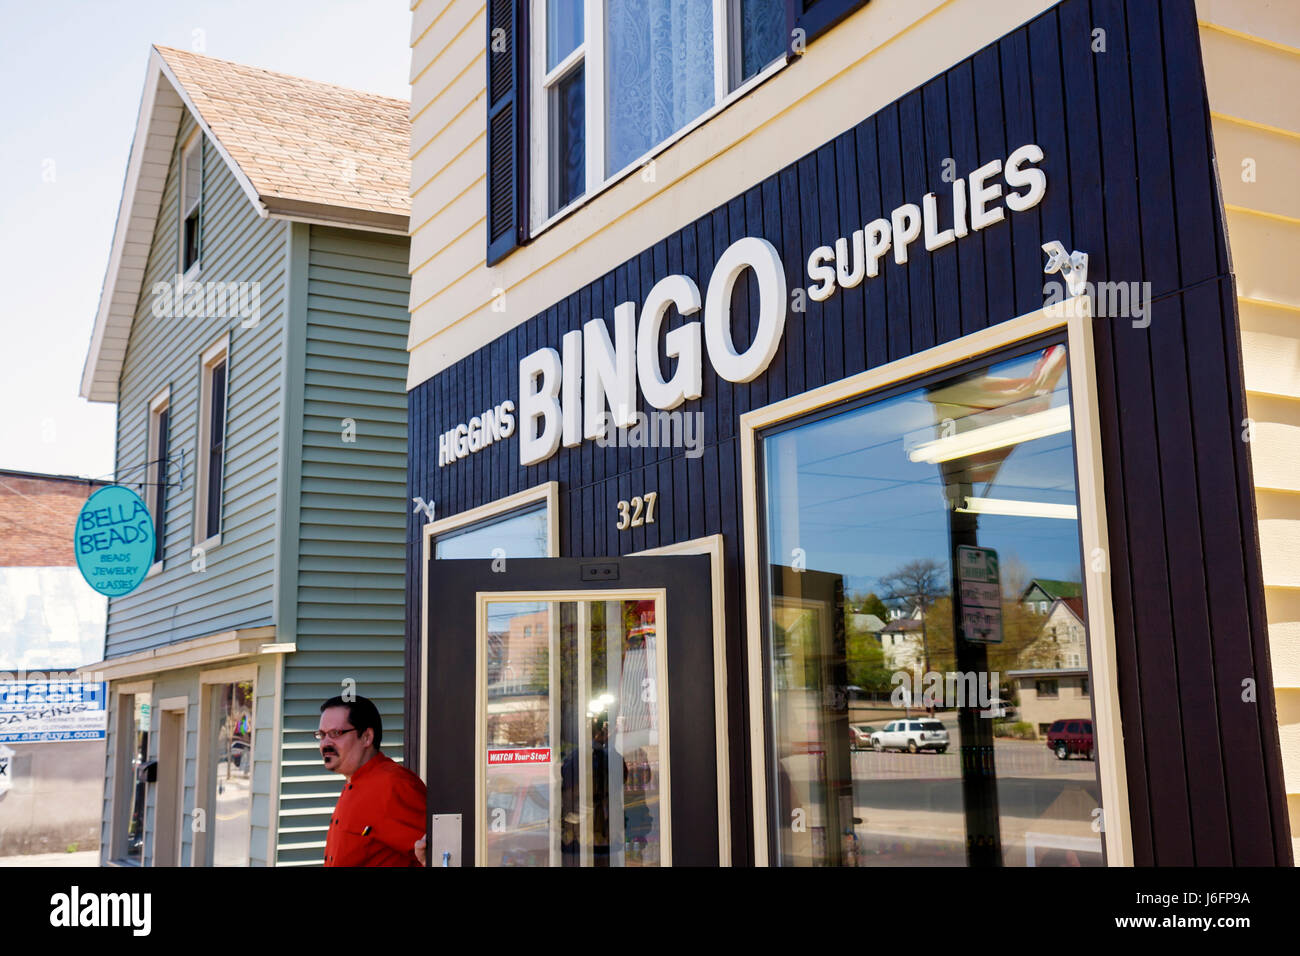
(565, 696)
(926, 655)
(574, 732)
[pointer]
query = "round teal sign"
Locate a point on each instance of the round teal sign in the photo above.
(114, 540)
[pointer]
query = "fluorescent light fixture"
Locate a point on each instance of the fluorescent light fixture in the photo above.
(1019, 509)
(1013, 431)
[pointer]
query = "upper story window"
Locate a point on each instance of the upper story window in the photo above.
(212, 443)
(614, 79)
(579, 92)
(191, 199)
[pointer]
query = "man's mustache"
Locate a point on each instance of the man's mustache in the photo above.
(329, 750)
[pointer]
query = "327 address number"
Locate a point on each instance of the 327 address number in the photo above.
(640, 510)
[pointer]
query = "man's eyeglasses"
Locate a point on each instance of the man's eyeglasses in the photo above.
(332, 734)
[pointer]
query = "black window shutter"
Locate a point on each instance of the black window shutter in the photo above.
(216, 448)
(815, 17)
(507, 172)
(160, 489)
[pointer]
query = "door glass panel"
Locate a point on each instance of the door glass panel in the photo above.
(572, 729)
(138, 740)
(232, 769)
(924, 575)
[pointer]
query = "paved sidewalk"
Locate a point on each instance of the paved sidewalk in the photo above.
(81, 858)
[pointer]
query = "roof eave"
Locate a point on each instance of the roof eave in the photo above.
(92, 390)
(322, 214)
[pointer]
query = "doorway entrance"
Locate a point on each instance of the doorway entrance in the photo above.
(570, 711)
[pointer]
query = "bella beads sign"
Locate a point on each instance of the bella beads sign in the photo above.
(575, 393)
(114, 540)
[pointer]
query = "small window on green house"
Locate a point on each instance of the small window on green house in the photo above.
(191, 200)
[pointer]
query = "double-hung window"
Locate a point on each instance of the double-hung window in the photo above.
(613, 80)
(191, 199)
(212, 442)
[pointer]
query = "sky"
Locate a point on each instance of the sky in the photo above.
(71, 76)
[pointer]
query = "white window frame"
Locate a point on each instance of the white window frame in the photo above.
(210, 358)
(192, 143)
(1074, 316)
(590, 54)
(157, 405)
(123, 781)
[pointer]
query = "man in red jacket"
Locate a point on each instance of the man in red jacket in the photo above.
(380, 815)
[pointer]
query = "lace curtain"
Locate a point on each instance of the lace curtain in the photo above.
(659, 68)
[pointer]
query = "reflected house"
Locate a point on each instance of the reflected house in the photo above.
(1041, 593)
(903, 642)
(251, 332)
(517, 662)
(1063, 641)
(1051, 693)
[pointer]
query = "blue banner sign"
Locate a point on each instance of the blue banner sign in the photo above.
(114, 540)
(33, 711)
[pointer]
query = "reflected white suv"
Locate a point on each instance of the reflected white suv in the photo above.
(912, 735)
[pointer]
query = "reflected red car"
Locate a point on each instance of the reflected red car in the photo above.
(1066, 737)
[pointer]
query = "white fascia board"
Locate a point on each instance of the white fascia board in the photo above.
(125, 214)
(137, 214)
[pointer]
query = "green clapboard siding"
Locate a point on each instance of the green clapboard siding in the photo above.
(347, 588)
(236, 588)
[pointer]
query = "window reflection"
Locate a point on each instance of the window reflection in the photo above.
(572, 732)
(139, 743)
(927, 629)
(232, 772)
(519, 534)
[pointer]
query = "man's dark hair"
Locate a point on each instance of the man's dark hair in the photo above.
(362, 714)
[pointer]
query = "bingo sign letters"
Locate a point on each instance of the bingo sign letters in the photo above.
(35, 711)
(114, 540)
(981, 594)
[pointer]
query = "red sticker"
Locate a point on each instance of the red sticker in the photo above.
(498, 758)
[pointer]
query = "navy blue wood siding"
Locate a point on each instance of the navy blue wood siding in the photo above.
(1129, 161)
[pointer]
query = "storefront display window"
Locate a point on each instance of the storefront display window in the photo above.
(903, 533)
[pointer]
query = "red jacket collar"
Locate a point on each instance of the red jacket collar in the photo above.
(370, 765)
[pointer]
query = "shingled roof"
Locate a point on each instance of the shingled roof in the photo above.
(300, 150)
(302, 145)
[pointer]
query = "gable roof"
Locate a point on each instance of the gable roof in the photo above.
(1072, 604)
(300, 150)
(1054, 589)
